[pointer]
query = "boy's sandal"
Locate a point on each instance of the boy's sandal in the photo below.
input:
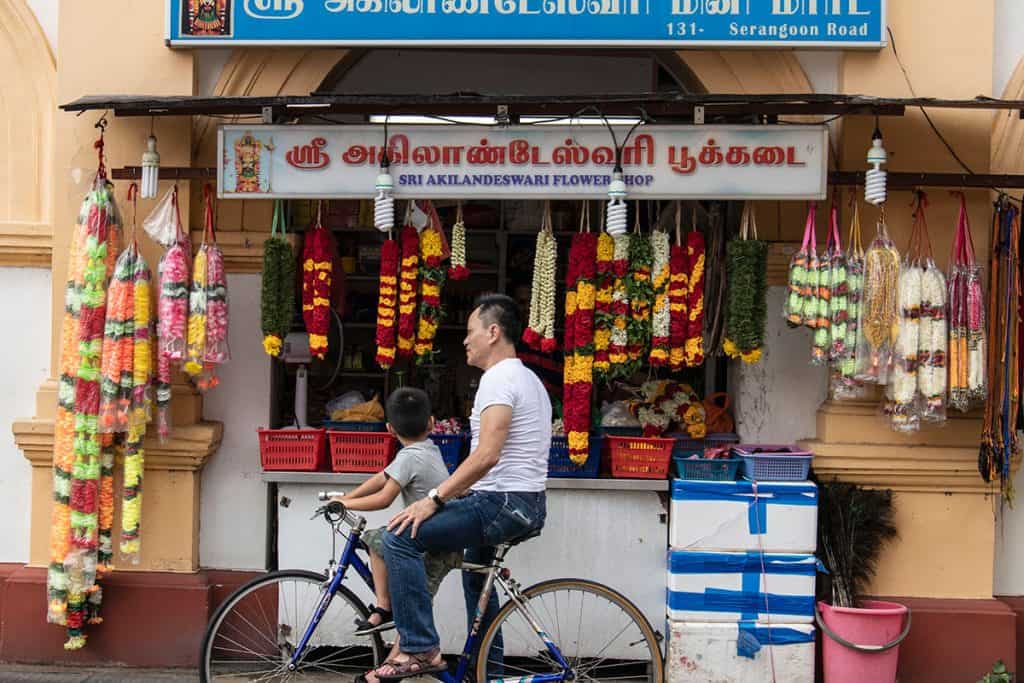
(365, 627)
(418, 664)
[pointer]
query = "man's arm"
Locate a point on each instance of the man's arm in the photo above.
(494, 426)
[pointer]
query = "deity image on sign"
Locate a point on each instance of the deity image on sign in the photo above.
(206, 17)
(247, 163)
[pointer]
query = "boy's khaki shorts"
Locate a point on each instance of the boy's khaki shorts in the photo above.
(437, 565)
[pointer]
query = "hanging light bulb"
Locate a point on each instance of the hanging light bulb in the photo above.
(150, 169)
(384, 202)
(875, 177)
(617, 221)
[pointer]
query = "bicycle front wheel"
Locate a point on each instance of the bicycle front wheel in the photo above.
(600, 633)
(254, 635)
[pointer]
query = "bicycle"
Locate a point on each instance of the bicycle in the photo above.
(257, 635)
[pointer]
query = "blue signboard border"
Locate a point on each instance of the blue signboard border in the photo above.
(172, 39)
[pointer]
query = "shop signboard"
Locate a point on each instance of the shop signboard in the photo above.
(647, 23)
(523, 162)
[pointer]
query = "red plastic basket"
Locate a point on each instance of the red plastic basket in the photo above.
(639, 458)
(361, 451)
(299, 450)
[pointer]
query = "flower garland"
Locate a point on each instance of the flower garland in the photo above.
(904, 372)
(931, 373)
(579, 377)
(118, 339)
(822, 340)
(854, 291)
(678, 290)
(746, 305)
(277, 297)
(217, 349)
(661, 321)
(839, 294)
(641, 298)
(196, 348)
(662, 404)
(619, 340)
(80, 561)
(433, 252)
(604, 320)
(694, 346)
(387, 304)
(880, 309)
(539, 334)
(407, 286)
(317, 273)
(967, 337)
(458, 270)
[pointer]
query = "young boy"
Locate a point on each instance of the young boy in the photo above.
(416, 469)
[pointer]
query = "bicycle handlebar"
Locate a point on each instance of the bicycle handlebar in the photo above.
(337, 508)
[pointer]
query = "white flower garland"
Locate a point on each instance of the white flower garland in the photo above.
(619, 336)
(931, 373)
(542, 296)
(662, 319)
(904, 375)
(459, 244)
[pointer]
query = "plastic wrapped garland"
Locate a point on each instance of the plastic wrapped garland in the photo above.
(800, 289)
(967, 320)
(905, 416)
(196, 348)
(746, 305)
(118, 340)
(821, 346)
(931, 373)
(854, 291)
(217, 349)
(277, 294)
(880, 310)
(840, 295)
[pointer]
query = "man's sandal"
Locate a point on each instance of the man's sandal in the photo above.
(365, 627)
(418, 664)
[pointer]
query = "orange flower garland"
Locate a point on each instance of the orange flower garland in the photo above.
(603, 317)
(407, 285)
(387, 304)
(678, 287)
(433, 253)
(579, 372)
(694, 345)
(317, 273)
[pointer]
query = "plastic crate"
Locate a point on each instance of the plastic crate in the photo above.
(774, 462)
(361, 451)
(639, 457)
(299, 450)
(622, 431)
(451, 448)
(346, 426)
(684, 446)
(719, 469)
(721, 439)
(561, 467)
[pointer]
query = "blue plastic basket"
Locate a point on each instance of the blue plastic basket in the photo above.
(684, 446)
(345, 426)
(719, 469)
(774, 462)
(451, 448)
(561, 467)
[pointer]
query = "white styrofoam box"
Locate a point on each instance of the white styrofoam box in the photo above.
(728, 516)
(702, 653)
(735, 587)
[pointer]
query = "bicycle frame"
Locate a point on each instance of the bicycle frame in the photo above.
(350, 558)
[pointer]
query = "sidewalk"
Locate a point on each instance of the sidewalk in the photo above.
(15, 673)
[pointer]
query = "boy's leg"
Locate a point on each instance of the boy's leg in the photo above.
(379, 569)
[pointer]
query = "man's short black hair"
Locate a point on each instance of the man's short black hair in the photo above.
(408, 412)
(503, 311)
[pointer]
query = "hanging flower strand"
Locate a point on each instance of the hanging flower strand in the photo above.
(540, 331)
(387, 304)
(458, 270)
(661, 318)
(407, 289)
(694, 345)
(433, 272)
(317, 273)
(677, 295)
(277, 297)
(604, 320)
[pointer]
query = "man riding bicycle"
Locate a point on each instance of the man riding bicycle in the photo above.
(495, 495)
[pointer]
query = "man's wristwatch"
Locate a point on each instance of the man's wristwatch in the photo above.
(436, 497)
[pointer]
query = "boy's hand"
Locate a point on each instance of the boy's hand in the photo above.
(415, 514)
(338, 498)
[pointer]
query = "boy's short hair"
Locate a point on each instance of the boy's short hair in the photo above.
(408, 412)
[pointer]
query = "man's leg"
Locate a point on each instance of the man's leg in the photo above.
(472, 586)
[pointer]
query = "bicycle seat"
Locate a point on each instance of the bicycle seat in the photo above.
(525, 537)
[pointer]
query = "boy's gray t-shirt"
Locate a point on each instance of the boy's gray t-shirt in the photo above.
(417, 468)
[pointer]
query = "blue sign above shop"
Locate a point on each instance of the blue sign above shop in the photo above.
(567, 23)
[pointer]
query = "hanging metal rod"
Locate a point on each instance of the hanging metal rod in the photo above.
(908, 181)
(166, 173)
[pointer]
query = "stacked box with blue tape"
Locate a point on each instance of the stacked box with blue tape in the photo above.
(740, 585)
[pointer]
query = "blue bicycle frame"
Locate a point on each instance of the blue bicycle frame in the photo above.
(350, 558)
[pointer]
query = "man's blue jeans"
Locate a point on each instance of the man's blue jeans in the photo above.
(475, 522)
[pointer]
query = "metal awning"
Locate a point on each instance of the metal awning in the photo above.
(664, 103)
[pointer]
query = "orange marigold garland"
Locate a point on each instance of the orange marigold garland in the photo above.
(317, 273)
(678, 289)
(387, 304)
(603, 318)
(433, 254)
(407, 286)
(694, 345)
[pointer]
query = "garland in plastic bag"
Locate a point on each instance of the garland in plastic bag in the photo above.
(746, 304)
(277, 296)
(880, 308)
(854, 292)
(967, 320)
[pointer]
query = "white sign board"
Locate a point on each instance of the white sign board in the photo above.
(523, 162)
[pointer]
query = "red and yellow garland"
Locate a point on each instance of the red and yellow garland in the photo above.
(617, 355)
(694, 345)
(677, 295)
(317, 273)
(407, 286)
(603, 318)
(581, 295)
(387, 304)
(433, 253)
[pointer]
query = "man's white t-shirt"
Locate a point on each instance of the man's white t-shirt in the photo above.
(523, 465)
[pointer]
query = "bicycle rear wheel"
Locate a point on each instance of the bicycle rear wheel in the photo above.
(254, 634)
(600, 633)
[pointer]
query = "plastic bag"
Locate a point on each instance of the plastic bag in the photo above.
(345, 401)
(879, 308)
(793, 310)
(967, 333)
(162, 222)
(905, 417)
(617, 414)
(854, 293)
